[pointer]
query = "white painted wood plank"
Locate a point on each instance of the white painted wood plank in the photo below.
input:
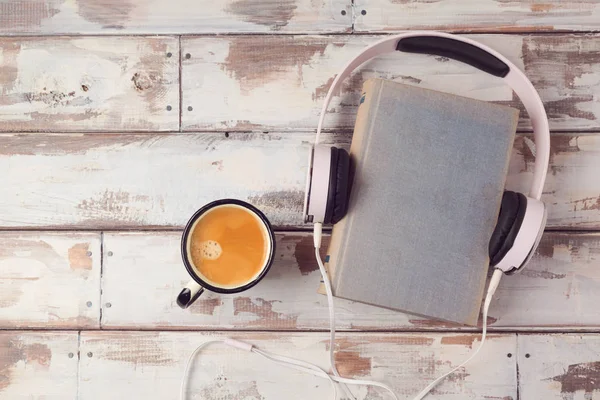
(477, 15)
(91, 83)
(49, 280)
(36, 366)
(562, 367)
(97, 181)
(150, 365)
(559, 289)
(55, 17)
(125, 181)
(279, 82)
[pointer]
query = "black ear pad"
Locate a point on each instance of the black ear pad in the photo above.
(342, 187)
(512, 212)
(337, 195)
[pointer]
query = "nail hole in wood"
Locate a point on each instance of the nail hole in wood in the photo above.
(108, 305)
(71, 355)
(509, 355)
(89, 253)
(110, 253)
(90, 354)
(169, 108)
(190, 108)
(364, 12)
(226, 134)
(188, 56)
(343, 12)
(527, 355)
(89, 304)
(169, 54)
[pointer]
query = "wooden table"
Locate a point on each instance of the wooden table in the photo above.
(113, 136)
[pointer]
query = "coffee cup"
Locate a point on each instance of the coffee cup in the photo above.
(227, 246)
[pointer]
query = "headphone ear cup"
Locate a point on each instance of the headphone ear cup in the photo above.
(342, 187)
(510, 218)
(337, 196)
(330, 205)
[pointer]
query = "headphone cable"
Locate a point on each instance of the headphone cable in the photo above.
(493, 285)
(312, 369)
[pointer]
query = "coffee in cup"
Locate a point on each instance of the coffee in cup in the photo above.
(227, 247)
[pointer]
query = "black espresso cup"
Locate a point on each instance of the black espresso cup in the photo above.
(199, 247)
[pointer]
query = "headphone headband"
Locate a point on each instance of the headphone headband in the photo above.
(477, 55)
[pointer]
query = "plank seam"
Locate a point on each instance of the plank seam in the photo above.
(344, 32)
(178, 229)
(101, 278)
(517, 355)
(78, 363)
(180, 87)
(353, 17)
(500, 331)
(344, 130)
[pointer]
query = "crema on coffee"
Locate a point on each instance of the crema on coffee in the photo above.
(228, 246)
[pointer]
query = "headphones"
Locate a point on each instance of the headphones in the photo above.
(521, 218)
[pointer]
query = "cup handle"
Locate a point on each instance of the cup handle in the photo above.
(189, 294)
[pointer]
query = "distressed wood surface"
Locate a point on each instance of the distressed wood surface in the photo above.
(480, 15)
(49, 280)
(52, 17)
(559, 289)
(562, 367)
(92, 84)
(128, 181)
(279, 82)
(38, 366)
(159, 180)
(150, 365)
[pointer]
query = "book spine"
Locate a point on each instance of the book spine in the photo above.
(366, 109)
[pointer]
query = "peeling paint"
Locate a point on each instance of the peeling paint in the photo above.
(276, 15)
(78, 258)
(584, 377)
(531, 273)
(108, 13)
(462, 340)
(263, 309)
(256, 60)
(205, 306)
(219, 390)
(351, 363)
(13, 351)
(27, 15)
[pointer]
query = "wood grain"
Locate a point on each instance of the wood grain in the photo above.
(150, 365)
(92, 84)
(279, 82)
(55, 17)
(128, 181)
(159, 180)
(483, 15)
(37, 365)
(49, 280)
(562, 367)
(559, 289)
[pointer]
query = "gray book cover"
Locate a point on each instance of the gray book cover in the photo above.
(429, 173)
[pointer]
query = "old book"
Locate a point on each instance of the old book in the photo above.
(429, 170)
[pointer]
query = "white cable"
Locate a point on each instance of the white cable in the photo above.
(189, 362)
(312, 369)
(318, 233)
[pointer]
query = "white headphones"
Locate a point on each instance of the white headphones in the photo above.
(521, 220)
(520, 223)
